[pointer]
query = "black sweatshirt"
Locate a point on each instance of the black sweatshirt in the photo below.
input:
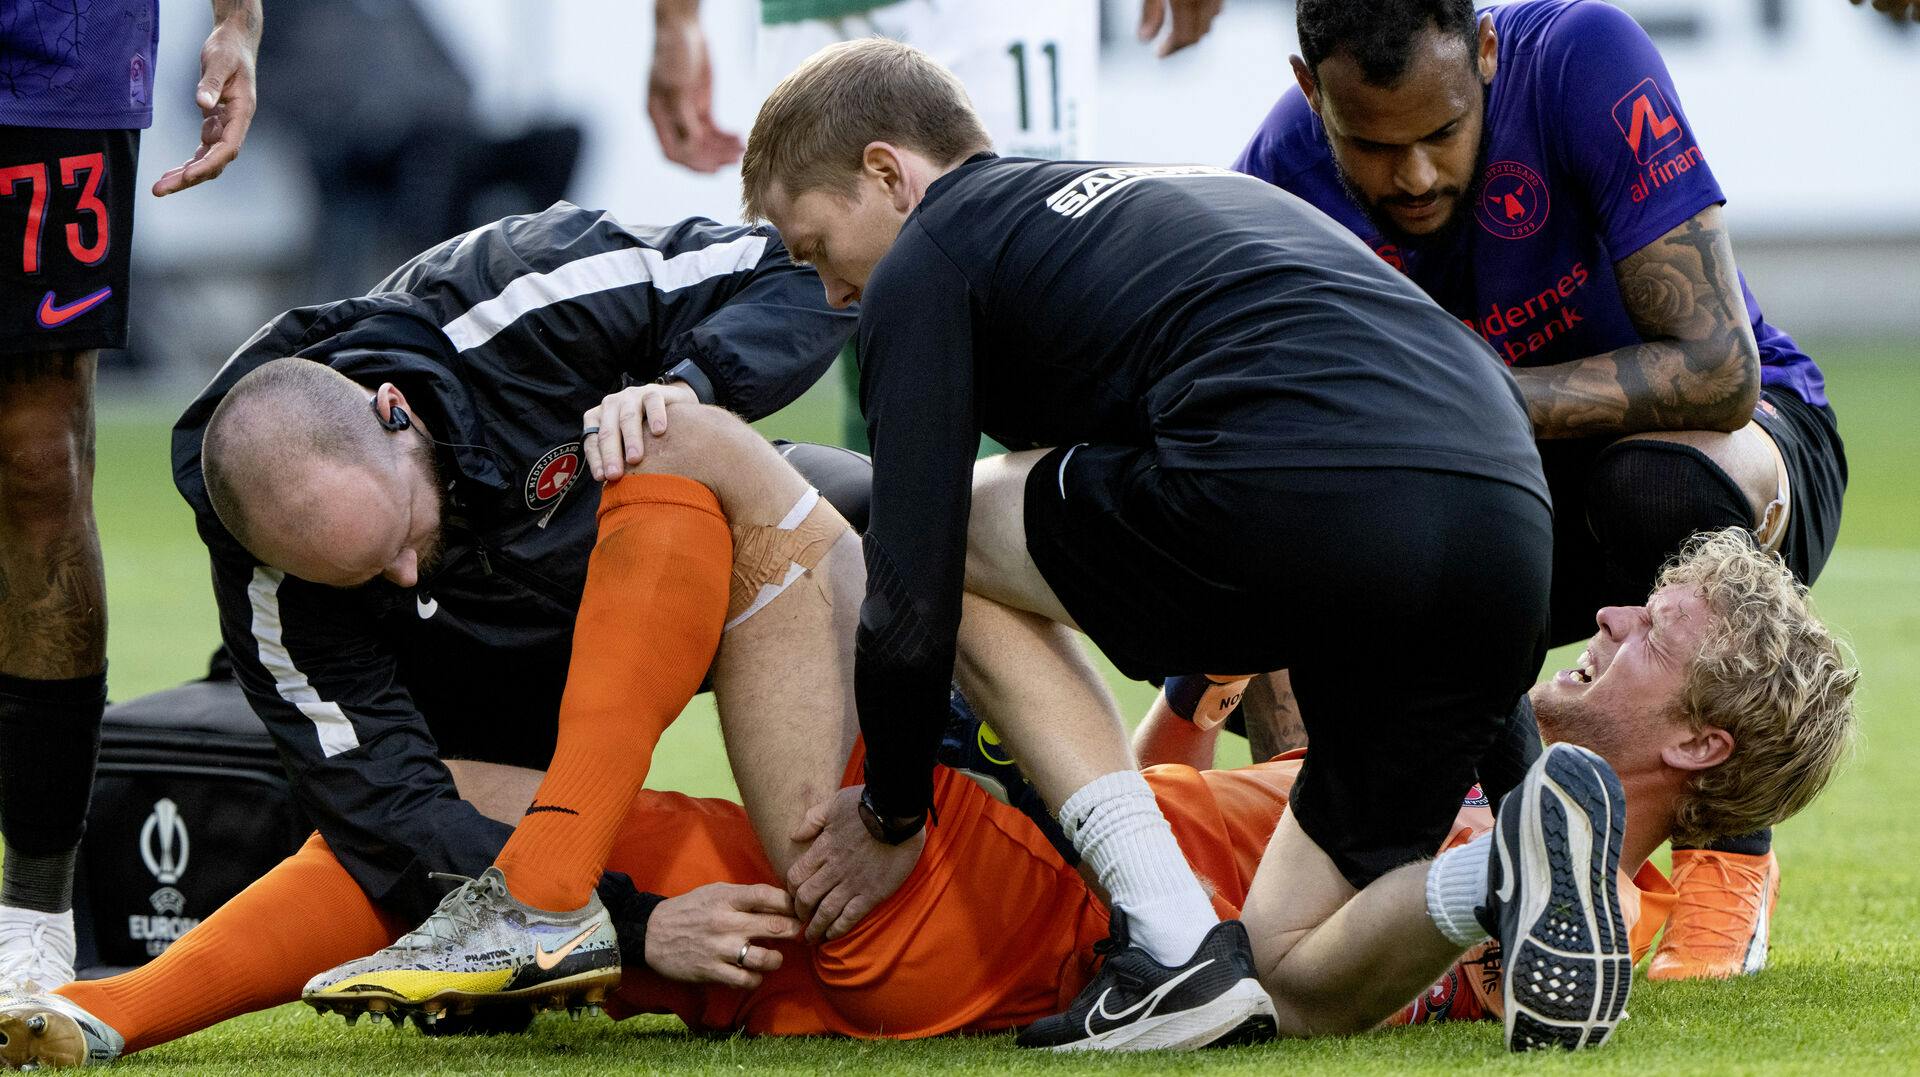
(1201, 314)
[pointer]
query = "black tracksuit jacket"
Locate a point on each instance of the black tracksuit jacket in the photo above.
(500, 339)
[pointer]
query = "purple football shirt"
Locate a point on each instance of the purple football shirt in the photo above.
(1589, 158)
(78, 63)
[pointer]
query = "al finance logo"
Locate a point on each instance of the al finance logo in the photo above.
(1646, 121)
(1513, 200)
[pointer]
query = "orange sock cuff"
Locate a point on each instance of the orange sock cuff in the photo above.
(657, 489)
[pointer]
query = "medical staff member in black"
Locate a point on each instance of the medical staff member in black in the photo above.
(496, 343)
(1233, 409)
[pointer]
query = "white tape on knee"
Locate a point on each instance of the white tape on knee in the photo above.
(768, 560)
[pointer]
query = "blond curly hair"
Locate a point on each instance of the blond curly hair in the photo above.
(1770, 673)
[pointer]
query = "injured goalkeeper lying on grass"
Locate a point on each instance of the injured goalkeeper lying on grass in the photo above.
(994, 928)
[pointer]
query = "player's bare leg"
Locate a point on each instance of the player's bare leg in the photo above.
(496, 790)
(783, 677)
(1336, 959)
(1025, 673)
(53, 632)
(1171, 733)
(777, 672)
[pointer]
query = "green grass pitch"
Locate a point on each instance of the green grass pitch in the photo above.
(1842, 994)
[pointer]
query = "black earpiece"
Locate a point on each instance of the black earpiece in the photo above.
(395, 419)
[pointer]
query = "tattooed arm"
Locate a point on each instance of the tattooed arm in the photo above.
(1272, 716)
(1699, 368)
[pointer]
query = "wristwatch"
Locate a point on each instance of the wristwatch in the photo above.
(688, 373)
(890, 831)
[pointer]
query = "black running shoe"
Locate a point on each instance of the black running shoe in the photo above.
(1137, 1004)
(1553, 901)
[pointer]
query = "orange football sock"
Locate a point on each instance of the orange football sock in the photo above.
(258, 950)
(648, 627)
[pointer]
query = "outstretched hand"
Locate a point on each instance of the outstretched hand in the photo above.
(845, 873)
(226, 96)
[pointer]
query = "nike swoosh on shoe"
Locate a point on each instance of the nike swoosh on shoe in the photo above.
(1149, 1002)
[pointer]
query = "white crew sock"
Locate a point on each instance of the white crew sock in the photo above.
(1456, 885)
(1116, 825)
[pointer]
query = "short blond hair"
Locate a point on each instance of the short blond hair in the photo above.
(814, 127)
(1770, 673)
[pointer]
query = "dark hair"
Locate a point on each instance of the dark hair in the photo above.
(1378, 34)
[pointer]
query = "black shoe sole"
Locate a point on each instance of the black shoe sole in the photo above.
(1568, 960)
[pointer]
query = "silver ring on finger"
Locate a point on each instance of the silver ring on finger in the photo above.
(740, 958)
(589, 431)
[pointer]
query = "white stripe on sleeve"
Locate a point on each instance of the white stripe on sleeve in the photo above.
(599, 273)
(330, 723)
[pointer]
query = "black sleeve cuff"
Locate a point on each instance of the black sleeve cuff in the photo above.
(900, 791)
(630, 910)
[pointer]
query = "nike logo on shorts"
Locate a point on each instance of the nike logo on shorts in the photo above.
(52, 315)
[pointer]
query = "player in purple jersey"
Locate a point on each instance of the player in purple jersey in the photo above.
(1532, 169)
(76, 88)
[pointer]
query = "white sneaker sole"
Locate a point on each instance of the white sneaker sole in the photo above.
(1184, 1030)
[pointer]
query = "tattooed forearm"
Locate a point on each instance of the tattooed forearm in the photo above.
(1272, 716)
(1699, 368)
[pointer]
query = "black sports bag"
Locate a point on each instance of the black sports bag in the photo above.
(189, 806)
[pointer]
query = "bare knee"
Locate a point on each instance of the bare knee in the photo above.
(717, 449)
(46, 470)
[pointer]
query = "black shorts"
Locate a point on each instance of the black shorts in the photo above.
(66, 233)
(1584, 580)
(1409, 605)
